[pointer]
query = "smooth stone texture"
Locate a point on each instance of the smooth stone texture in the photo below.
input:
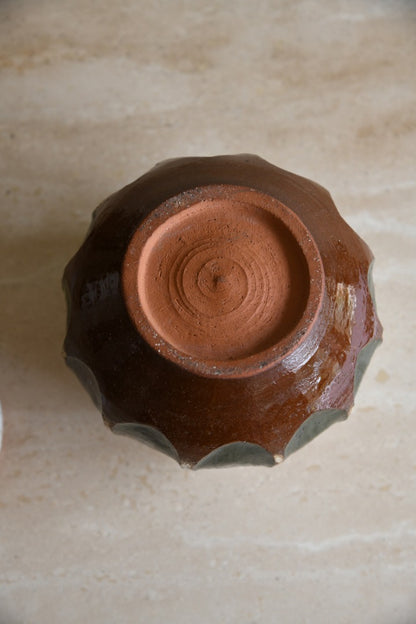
(97, 527)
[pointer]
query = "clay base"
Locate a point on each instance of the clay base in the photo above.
(220, 280)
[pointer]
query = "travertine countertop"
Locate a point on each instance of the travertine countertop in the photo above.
(97, 528)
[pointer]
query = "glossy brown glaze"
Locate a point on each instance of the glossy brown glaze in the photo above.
(220, 310)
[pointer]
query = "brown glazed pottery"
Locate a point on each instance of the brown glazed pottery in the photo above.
(221, 310)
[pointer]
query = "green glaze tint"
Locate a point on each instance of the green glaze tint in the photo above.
(313, 426)
(148, 435)
(237, 454)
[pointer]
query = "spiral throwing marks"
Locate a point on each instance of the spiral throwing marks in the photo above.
(222, 280)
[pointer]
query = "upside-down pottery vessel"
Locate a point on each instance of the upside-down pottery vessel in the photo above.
(221, 310)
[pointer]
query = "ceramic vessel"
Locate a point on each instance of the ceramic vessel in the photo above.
(221, 310)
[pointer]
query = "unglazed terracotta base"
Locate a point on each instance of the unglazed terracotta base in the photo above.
(223, 280)
(221, 311)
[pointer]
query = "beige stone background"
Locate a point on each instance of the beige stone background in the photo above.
(100, 529)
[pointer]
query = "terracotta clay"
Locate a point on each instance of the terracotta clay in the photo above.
(221, 310)
(222, 276)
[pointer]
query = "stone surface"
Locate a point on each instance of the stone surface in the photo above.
(95, 526)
